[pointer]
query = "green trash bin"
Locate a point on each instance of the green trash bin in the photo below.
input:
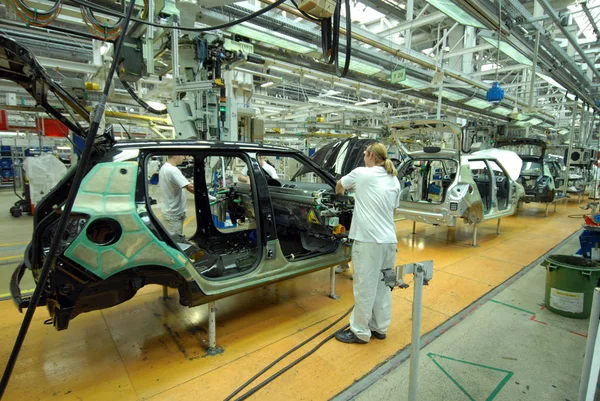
(570, 283)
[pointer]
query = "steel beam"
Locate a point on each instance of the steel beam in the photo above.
(550, 11)
(67, 65)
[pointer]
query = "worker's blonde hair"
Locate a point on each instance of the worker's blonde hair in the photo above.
(379, 152)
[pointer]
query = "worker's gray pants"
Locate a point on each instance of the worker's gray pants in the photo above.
(372, 298)
(174, 223)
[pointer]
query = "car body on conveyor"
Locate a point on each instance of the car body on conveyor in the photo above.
(440, 185)
(536, 175)
(246, 235)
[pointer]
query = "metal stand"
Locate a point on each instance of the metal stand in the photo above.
(212, 327)
(332, 293)
(547, 205)
(423, 272)
(414, 227)
(474, 243)
(591, 361)
(165, 292)
(498, 227)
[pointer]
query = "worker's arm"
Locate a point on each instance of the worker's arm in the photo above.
(243, 178)
(189, 187)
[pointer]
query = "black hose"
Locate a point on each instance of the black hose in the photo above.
(113, 13)
(145, 105)
(62, 223)
(335, 40)
(287, 367)
(276, 361)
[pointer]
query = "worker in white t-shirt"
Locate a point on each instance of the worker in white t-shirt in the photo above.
(376, 195)
(270, 170)
(172, 184)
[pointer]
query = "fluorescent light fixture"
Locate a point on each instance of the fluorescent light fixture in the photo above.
(551, 81)
(267, 84)
(450, 8)
(508, 50)
(360, 66)
(522, 117)
(502, 111)
(450, 95)
(478, 103)
(273, 38)
(63, 148)
(367, 101)
(413, 83)
(563, 131)
(330, 92)
(336, 104)
(535, 121)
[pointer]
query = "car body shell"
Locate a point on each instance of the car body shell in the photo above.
(537, 175)
(94, 274)
(461, 193)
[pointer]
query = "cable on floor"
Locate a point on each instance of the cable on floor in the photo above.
(286, 368)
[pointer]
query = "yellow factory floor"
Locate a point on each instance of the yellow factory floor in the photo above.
(148, 348)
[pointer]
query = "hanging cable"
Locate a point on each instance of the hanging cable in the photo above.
(80, 172)
(276, 361)
(113, 13)
(145, 105)
(33, 16)
(334, 53)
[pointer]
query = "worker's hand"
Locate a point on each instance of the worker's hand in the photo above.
(339, 188)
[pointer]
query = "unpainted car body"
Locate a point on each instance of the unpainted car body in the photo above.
(246, 236)
(440, 185)
(536, 175)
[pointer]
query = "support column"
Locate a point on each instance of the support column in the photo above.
(469, 41)
(230, 131)
(474, 242)
(212, 326)
(571, 138)
(414, 227)
(498, 227)
(332, 293)
(409, 17)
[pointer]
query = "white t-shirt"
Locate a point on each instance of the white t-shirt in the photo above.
(376, 196)
(267, 167)
(171, 183)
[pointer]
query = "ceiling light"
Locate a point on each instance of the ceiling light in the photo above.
(360, 66)
(508, 50)
(478, 103)
(450, 95)
(63, 148)
(367, 101)
(450, 8)
(273, 38)
(267, 84)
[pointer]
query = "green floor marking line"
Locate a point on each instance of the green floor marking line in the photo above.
(494, 393)
(511, 306)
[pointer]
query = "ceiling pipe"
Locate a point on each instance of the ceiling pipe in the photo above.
(588, 14)
(548, 8)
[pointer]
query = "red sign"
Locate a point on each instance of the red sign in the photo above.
(51, 127)
(3, 121)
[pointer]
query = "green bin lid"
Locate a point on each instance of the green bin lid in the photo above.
(572, 262)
